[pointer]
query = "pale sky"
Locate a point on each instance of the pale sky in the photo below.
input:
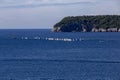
(37, 14)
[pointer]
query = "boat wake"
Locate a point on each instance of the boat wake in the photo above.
(52, 39)
(59, 39)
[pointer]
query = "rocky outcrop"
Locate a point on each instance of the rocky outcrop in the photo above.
(93, 30)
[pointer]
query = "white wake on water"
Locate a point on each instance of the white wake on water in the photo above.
(52, 39)
(61, 39)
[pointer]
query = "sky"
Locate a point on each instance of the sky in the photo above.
(42, 14)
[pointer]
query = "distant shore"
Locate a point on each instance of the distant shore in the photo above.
(93, 30)
(101, 23)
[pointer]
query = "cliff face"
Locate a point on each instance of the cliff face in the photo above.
(88, 24)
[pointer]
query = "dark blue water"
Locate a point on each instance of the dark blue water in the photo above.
(44, 55)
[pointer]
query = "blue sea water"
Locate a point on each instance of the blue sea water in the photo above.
(44, 55)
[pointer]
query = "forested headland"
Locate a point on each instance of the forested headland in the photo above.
(99, 23)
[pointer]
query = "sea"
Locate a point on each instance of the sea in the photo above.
(39, 54)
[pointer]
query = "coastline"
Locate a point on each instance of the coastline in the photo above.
(93, 30)
(96, 23)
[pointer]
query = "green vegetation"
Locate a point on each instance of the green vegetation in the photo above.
(87, 23)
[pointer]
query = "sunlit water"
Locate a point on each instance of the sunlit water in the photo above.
(44, 55)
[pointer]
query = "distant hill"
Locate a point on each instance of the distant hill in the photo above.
(98, 23)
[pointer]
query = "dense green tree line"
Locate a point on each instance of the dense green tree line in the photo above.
(78, 23)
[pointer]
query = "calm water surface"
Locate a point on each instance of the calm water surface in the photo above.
(44, 55)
